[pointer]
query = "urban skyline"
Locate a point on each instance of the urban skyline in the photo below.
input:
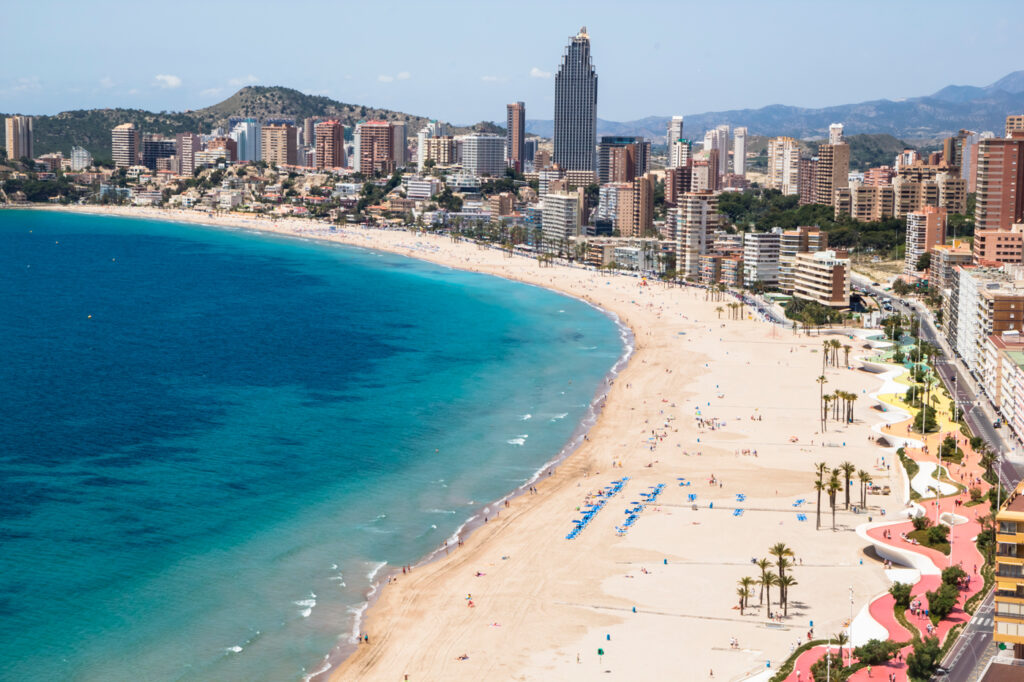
(192, 72)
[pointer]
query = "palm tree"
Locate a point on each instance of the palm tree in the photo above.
(826, 402)
(840, 639)
(746, 582)
(820, 468)
(719, 310)
(821, 396)
(768, 581)
(782, 554)
(784, 584)
(846, 350)
(848, 470)
(764, 565)
(865, 480)
(818, 486)
(743, 593)
(834, 486)
(849, 407)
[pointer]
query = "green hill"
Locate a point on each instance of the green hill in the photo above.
(90, 128)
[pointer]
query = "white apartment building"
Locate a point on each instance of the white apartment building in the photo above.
(483, 154)
(422, 188)
(561, 218)
(675, 132)
(739, 151)
(246, 135)
(680, 153)
(784, 165)
(80, 159)
(822, 277)
(761, 257)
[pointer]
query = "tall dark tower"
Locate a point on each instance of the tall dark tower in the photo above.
(576, 106)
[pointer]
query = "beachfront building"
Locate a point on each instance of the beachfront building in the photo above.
(925, 230)
(988, 301)
(562, 219)
(515, 136)
(761, 257)
(697, 220)
(823, 277)
(375, 148)
(1009, 589)
(124, 145)
(330, 144)
(246, 134)
(483, 154)
(803, 239)
(18, 137)
(278, 144)
(81, 159)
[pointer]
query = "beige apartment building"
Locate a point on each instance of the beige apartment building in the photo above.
(277, 144)
(833, 172)
(864, 202)
(945, 257)
(18, 137)
(823, 277)
(803, 239)
(124, 145)
(925, 230)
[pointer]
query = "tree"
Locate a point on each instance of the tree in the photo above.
(953, 575)
(819, 485)
(925, 421)
(924, 659)
(784, 583)
(834, 485)
(865, 480)
(765, 566)
(876, 651)
(848, 470)
(924, 261)
(821, 396)
(719, 310)
(828, 667)
(901, 593)
(782, 554)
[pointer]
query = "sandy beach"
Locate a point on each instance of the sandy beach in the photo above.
(722, 409)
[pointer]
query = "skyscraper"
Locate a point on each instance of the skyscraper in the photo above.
(375, 148)
(246, 134)
(621, 159)
(187, 145)
(722, 132)
(739, 151)
(515, 135)
(154, 147)
(783, 164)
(19, 137)
(1000, 196)
(330, 144)
(675, 132)
(277, 144)
(399, 144)
(576, 106)
(124, 145)
(833, 167)
(483, 154)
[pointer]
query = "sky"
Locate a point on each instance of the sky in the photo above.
(463, 61)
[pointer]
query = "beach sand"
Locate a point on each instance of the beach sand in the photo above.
(544, 605)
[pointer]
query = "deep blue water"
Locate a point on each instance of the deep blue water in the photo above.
(211, 439)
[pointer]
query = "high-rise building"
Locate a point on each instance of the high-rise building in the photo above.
(803, 239)
(155, 147)
(635, 209)
(833, 170)
(1008, 615)
(823, 277)
(575, 131)
(620, 159)
(697, 216)
(330, 144)
(309, 130)
(807, 171)
(186, 146)
(739, 151)
(1014, 122)
(374, 148)
(431, 131)
(677, 183)
(80, 159)
(783, 164)
(483, 154)
(247, 137)
(18, 137)
(226, 145)
(925, 229)
(835, 133)
(124, 145)
(399, 144)
(674, 133)
(562, 219)
(1000, 196)
(680, 153)
(761, 257)
(722, 134)
(864, 202)
(515, 136)
(277, 144)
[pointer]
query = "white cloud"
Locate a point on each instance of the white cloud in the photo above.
(106, 82)
(210, 92)
(537, 73)
(403, 75)
(167, 81)
(244, 80)
(489, 79)
(385, 79)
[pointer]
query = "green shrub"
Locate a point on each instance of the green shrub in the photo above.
(876, 651)
(901, 593)
(953, 575)
(938, 534)
(942, 601)
(921, 522)
(924, 659)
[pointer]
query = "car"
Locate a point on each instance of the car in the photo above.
(997, 423)
(875, 284)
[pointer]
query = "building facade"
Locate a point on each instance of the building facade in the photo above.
(575, 129)
(330, 144)
(1000, 195)
(124, 145)
(483, 154)
(697, 220)
(739, 151)
(278, 144)
(18, 137)
(783, 165)
(823, 277)
(761, 257)
(925, 230)
(515, 136)
(374, 148)
(621, 159)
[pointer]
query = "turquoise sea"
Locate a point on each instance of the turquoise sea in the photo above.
(215, 441)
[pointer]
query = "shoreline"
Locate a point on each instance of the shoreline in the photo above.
(381, 577)
(564, 598)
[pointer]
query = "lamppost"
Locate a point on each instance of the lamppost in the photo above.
(849, 630)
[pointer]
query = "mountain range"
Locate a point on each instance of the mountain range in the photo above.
(920, 119)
